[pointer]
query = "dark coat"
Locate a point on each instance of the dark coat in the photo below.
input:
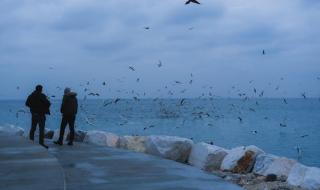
(38, 103)
(69, 104)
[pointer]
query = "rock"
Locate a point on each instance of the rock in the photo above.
(57, 134)
(79, 135)
(305, 177)
(271, 177)
(270, 164)
(11, 130)
(170, 147)
(207, 157)
(102, 138)
(49, 134)
(240, 159)
(135, 143)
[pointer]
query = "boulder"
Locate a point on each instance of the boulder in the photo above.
(240, 159)
(135, 143)
(49, 134)
(79, 135)
(207, 157)
(11, 130)
(305, 177)
(267, 164)
(101, 138)
(57, 134)
(169, 147)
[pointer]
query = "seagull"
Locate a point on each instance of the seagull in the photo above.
(116, 100)
(263, 52)
(132, 68)
(182, 102)
(283, 125)
(240, 119)
(285, 101)
(138, 79)
(304, 95)
(18, 87)
(159, 64)
(302, 136)
(192, 1)
(104, 83)
(147, 27)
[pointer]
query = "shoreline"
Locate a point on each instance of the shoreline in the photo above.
(248, 166)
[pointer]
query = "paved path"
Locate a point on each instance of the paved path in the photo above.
(25, 165)
(93, 167)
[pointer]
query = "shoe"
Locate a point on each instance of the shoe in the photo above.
(45, 146)
(70, 143)
(58, 142)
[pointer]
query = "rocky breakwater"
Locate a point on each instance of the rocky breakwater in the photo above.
(247, 166)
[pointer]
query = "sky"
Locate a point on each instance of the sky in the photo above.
(218, 45)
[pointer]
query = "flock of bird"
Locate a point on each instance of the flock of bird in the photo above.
(198, 112)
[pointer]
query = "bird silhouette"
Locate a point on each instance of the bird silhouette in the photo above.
(132, 68)
(263, 52)
(192, 1)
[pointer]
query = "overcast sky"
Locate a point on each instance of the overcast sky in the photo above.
(69, 42)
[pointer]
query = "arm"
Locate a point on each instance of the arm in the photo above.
(76, 106)
(62, 105)
(28, 101)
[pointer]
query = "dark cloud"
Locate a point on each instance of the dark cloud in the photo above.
(84, 39)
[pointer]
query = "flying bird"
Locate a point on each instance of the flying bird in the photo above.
(159, 64)
(263, 52)
(147, 27)
(304, 95)
(132, 68)
(192, 1)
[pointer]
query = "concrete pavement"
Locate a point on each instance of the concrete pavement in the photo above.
(24, 165)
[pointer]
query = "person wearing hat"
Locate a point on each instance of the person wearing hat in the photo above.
(69, 108)
(39, 106)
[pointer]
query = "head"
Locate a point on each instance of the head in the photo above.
(67, 91)
(39, 88)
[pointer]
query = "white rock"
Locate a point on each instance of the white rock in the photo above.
(135, 143)
(240, 159)
(56, 134)
(305, 177)
(78, 136)
(170, 147)
(207, 157)
(11, 130)
(36, 133)
(101, 138)
(270, 164)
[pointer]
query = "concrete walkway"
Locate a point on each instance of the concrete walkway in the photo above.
(93, 167)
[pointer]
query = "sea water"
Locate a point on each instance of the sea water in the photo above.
(290, 128)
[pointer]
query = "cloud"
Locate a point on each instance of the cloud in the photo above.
(100, 39)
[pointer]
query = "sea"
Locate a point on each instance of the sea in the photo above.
(284, 127)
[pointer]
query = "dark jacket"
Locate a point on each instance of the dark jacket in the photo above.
(69, 104)
(38, 103)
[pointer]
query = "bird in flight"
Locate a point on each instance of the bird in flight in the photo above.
(263, 52)
(192, 1)
(159, 64)
(131, 68)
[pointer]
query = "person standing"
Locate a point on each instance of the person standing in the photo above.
(69, 108)
(39, 106)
